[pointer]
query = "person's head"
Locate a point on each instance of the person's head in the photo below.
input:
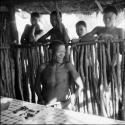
(109, 16)
(58, 51)
(55, 16)
(81, 28)
(35, 16)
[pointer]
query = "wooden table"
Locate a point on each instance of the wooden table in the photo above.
(49, 115)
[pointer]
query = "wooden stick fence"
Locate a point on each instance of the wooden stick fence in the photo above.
(97, 62)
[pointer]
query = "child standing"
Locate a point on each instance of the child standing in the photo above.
(32, 33)
(81, 28)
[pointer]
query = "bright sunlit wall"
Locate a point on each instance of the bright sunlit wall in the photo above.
(69, 20)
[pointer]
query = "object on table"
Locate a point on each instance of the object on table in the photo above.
(5, 106)
(25, 112)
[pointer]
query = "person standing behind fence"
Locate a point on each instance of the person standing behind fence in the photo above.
(108, 32)
(58, 32)
(81, 28)
(32, 33)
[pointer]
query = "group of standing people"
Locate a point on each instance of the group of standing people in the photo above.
(55, 76)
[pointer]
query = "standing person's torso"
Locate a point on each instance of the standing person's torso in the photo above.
(56, 34)
(28, 30)
(115, 32)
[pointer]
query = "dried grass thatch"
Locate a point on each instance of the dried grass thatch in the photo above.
(67, 6)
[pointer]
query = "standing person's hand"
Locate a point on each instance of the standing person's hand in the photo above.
(105, 36)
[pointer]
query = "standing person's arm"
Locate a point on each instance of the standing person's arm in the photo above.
(59, 22)
(90, 35)
(33, 37)
(66, 38)
(38, 36)
(44, 37)
(39, 81)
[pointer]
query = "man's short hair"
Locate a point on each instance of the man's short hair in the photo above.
(35, 14)
(83, 23)
(110, 9)
(55, 13)
(54, 45)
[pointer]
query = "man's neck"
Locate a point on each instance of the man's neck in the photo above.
(58, 64)
(111, 27)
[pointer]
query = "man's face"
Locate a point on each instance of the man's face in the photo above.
(80, 30)
(60, 53)
(54, 21)
(34, 21)
(109, 19)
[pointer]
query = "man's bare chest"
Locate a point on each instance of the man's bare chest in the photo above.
(55, 76)
(112, 32)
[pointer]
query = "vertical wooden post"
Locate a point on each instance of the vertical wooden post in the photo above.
(7, 65)
(15, 53)
(13, 27)
(123, 87)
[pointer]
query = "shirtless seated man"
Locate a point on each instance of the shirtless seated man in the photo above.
(55, 79)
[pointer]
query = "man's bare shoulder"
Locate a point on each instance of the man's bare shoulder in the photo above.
(43, 66)
(98, 28)
(69, 66)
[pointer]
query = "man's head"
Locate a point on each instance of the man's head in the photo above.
(58, 50)
(35, 18)
(81, 28)
(109, 16)
(55, 17)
